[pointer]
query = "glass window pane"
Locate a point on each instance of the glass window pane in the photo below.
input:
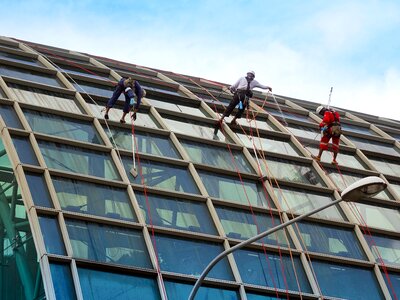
(94, 199)
(330, 240)
(62, 127)
(270, 144)
(191, 257)
(196, 111)
(258, 123)
(374, 146)
(83, 71)
(287, 170)
(148, 143)
(144, 119)
(24, 150)
(302, 201)
(181, 291)
(358, 129)
(396, 188)
(108, 244)
(176, 213)
(216, 156)
(78, 160)
(243, 225)
(386, 166)
(377, 216)
(193, 128)
(271, 270)
(350, 160)
(344, 179)
(52, 235)
(86, 87)
(62, 281)
(259, 297)
(38, 188)
(44, 98)
(20, 59)
(161, 175)
(350, 282)
(30, 75)
(232, 189)
(10, 117)
(304, 131)
(385, 247)
(281, 113)
(99, 285)
(394, 285)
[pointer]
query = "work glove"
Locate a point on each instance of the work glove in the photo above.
(324, 130)
(270, 89)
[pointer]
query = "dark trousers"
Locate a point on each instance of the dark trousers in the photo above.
(237, 96)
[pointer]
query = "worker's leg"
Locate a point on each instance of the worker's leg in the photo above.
(323, 145)
(335, 148)
(126, 108)
(117, 92)
(228, 110)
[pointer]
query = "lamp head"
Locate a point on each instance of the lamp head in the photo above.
(366, 187)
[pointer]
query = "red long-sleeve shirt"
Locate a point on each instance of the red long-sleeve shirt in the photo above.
(329, 118)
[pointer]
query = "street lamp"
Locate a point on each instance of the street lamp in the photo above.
(366, 187)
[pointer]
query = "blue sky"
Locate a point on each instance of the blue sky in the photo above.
(300, 48)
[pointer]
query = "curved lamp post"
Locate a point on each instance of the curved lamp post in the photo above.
(366, 187)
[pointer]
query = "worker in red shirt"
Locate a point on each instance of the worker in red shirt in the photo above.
(330, 128)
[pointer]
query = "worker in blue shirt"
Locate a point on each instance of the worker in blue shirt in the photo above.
(132, 91)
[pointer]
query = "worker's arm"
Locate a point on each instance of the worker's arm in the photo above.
(234, 86)
(262, 86)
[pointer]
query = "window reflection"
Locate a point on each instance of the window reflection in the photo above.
(284, 169)
(24, 150)
(345, 159)
(62, 126)
(185, 109)
(270, 144)
(144, 119)
(20, 59)
(78, 160)
(374, 146)
(190, 257)
(346, 279)
(161, 175)
(386, 166)
(38, 188)
(44, 98)
(52, 235)
(106, 243)
(149, 143)
(193, 128)
(384, 247)
(243, 225)
(232, 189)
(9, 116)
(272, 270)
(176, 213)
(379, 217)
(358, 129)
(96, 284)
(302, 201)
(330, 240)
(181, 291)
(62, 281)
(30, 75)
(95, 199)
(217, 156)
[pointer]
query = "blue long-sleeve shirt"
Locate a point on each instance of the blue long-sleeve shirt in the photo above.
(129, 93)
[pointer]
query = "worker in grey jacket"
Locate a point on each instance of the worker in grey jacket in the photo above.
(241, 95)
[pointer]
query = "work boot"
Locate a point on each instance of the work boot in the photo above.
(334, 162)
(317, 158)
(106, 116)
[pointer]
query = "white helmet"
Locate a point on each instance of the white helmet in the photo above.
(319, 109)
(252, 72)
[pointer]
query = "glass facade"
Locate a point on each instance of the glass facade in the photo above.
(95, 231)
